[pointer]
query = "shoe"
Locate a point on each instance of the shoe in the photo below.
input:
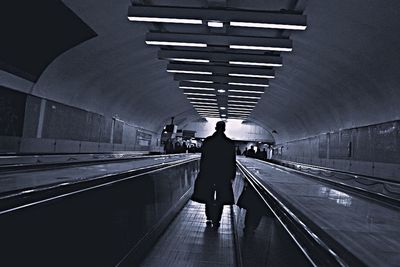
(208, 222)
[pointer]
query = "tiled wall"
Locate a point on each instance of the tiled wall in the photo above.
(31, 124)
(372, 150)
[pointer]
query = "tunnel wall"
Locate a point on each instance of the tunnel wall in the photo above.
(30, 124)
(372, 150)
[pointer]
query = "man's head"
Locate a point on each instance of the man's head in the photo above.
(220, 126)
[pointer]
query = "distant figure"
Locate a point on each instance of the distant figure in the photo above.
(245, 152)
(259, 153)
(251, 153)
(213, 185)
(168, 147)
(238, 152)
(177, 147)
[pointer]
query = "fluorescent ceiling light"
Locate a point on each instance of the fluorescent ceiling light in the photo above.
(241, 101)
(249, 84)
(251, 75)
(268, 48)
(223, 115)
(239, 113)
(245, 91)
(190, 72)
(197, 88)
(187, 93)
(222, 108)
(203, 103)
(255, 64)
(191, 60)
(239, 108)
(235, 105)
(215, 24)
(243, 96)
(267, 25)
(176, 43)
(199, 81)
(221, 90)
(165, 20)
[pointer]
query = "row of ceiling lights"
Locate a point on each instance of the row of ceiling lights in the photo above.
(231, 80)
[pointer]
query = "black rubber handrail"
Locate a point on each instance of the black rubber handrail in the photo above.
(317, 246)
(56, 165)
(17, 200)
(355, 175)
(363, 192)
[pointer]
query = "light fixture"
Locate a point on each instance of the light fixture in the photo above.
(223, 115)
(199, 81)
(251, 75)
(165, 20)
(203, 103)
(204, 99)
(249, 84)
(221, 91)
(176, 43)
(243, 96)
(190, 72)
(255, 64)
(267, 25)
(215, 24)
(191, 60)
(222, 108)
(241, 101)
(200, 94)
(245, 91)
(236, 105)
(197, 88)
(266, 48)
(235, 109)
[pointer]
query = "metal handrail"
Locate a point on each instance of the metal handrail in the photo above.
(317, 246)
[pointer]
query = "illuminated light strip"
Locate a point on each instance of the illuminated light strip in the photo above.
(239, 112)
(215, 24)
(267, 25)
(199, 81)
(245, 91)
(239, 108)
(197, 88)
(213, 108)
(240, 101)
(251, 75)
(255, 64)
(245, 106)
(268, 48)
(176, 43)
(186, 93)
(242, 96)
(204, 103)
(190, 60)
(165, 20)
(249, 84)
(190, 72)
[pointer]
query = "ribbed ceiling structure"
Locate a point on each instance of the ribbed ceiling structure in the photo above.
(223, 66)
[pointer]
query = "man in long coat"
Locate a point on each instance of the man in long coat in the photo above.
(213, 185)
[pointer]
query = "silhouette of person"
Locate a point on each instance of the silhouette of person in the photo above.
(213, 185)
(251, 153)
(245, 152)
(238, 152)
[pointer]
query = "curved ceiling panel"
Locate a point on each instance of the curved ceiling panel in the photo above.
(343, 70)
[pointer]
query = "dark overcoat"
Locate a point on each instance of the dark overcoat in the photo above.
(217, 170)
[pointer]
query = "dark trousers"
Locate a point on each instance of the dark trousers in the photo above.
(214, 211)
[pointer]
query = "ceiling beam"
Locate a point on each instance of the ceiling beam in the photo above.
(237, 18)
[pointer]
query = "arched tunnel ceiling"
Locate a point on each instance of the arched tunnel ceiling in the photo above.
(343, 71)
